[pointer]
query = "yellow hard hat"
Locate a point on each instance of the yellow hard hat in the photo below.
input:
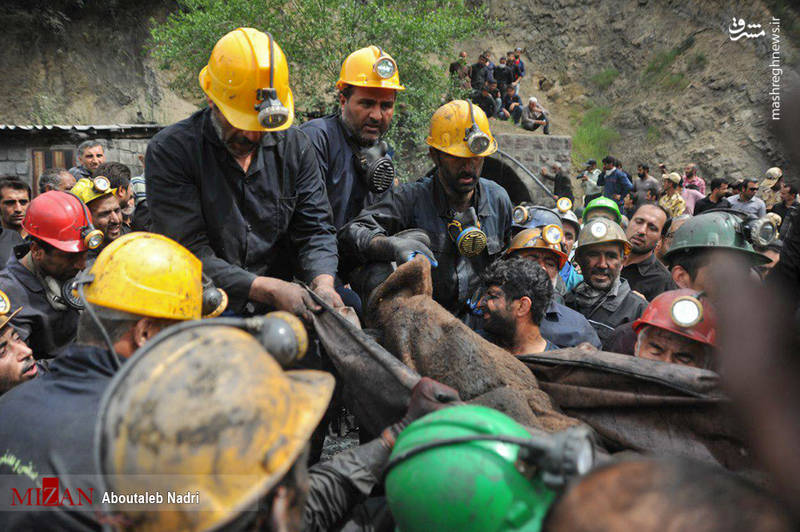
(370, 67)
(206, 411)
(90, 189)
(461, 129)
(547, 238)
(239, 74)
(149, 275)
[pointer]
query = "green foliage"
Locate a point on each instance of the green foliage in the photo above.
(658, 70)
(593, 138)
(653, 134)
(604, 79)
(316, 36)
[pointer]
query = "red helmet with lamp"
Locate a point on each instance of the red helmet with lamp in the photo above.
(63, 221)
(682, 312)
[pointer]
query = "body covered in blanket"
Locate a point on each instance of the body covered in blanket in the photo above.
(433, 342)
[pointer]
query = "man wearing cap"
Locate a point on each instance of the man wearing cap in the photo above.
(589, 182)
(138, 285)
(770, 187)
(678, 327)
(460, 221)
(513, 305)
(533, 116)
(368, 85)
(605, 299)
(242, 189)
(746, 200)
(643, 271)
(671, 199)
(103, 203)
(614, 183)
(60, 235)
(17, 364)
(559, 324)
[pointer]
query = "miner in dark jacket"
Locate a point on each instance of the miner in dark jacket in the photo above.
(458, 220)
(603, 297)
(139, 284)
(242, 189)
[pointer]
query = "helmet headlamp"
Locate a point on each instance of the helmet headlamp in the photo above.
(385, 67)
(101, 183)
(563, 205)
(271, 111)
(686, 311)
(598, 230)
(552, 234)
(520, 215)
(477, 141)
(760, 232)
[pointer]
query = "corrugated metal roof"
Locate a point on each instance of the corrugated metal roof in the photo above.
(91, 127)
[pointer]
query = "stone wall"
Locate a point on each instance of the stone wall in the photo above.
(16, 156)
(533, 151)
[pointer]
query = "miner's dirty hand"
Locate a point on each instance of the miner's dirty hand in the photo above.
(426, 397)
(322, 285)
(406, 249)
(290, 297)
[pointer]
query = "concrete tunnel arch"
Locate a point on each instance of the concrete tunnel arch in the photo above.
(504, 175)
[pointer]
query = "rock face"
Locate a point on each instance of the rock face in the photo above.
(677, 87)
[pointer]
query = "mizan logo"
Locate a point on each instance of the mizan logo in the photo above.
(51, 494)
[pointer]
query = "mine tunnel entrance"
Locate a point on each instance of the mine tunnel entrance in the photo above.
(502, 174)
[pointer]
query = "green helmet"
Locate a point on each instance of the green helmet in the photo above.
(605, 202)
(441, 478)
(721, 230)
(600, 231)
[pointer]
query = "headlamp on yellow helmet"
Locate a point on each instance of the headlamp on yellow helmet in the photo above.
(272, 114)
(477, 141)
(385, 67)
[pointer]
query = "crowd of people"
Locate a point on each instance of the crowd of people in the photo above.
(151, 326)
(494, 87)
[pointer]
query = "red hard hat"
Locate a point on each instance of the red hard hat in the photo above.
(60, 219)
(681, 312)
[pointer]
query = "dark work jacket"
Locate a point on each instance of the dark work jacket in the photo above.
(9, 239)
(614, 310)
(347, 190)
(649, 277)
(614, 183)
(705, 204)
(45, 329)
(422, 204)
(274, 220)
(47, 426)
(566, 327)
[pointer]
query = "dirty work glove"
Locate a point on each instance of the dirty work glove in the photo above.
(401, 248)
(426, 397)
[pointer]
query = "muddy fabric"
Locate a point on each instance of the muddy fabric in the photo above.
(434, 343)
(644, 405)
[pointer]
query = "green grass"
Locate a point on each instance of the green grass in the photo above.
(658, 70)
(653, 134)
(660, 63)
(604, 79)
(593, 138)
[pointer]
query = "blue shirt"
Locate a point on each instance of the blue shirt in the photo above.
(613, 184)
(566, 327)
(570, 276)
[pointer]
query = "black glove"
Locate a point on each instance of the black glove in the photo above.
(427, 396)
(405, 249)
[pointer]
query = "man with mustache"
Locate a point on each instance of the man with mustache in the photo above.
(90, 155)
(58, 227)
(457, 219)
(241, 188)
(17, 364)
(368, 87)
(643, 271)
(605, 299)
(104, 206)
(15, 195)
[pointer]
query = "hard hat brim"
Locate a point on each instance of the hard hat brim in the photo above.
(246, 121)
(382, 84)
(460, 149)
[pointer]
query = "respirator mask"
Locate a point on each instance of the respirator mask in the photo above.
(465, 231)
(376, 167)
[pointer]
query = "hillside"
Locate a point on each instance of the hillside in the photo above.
(648, 81)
